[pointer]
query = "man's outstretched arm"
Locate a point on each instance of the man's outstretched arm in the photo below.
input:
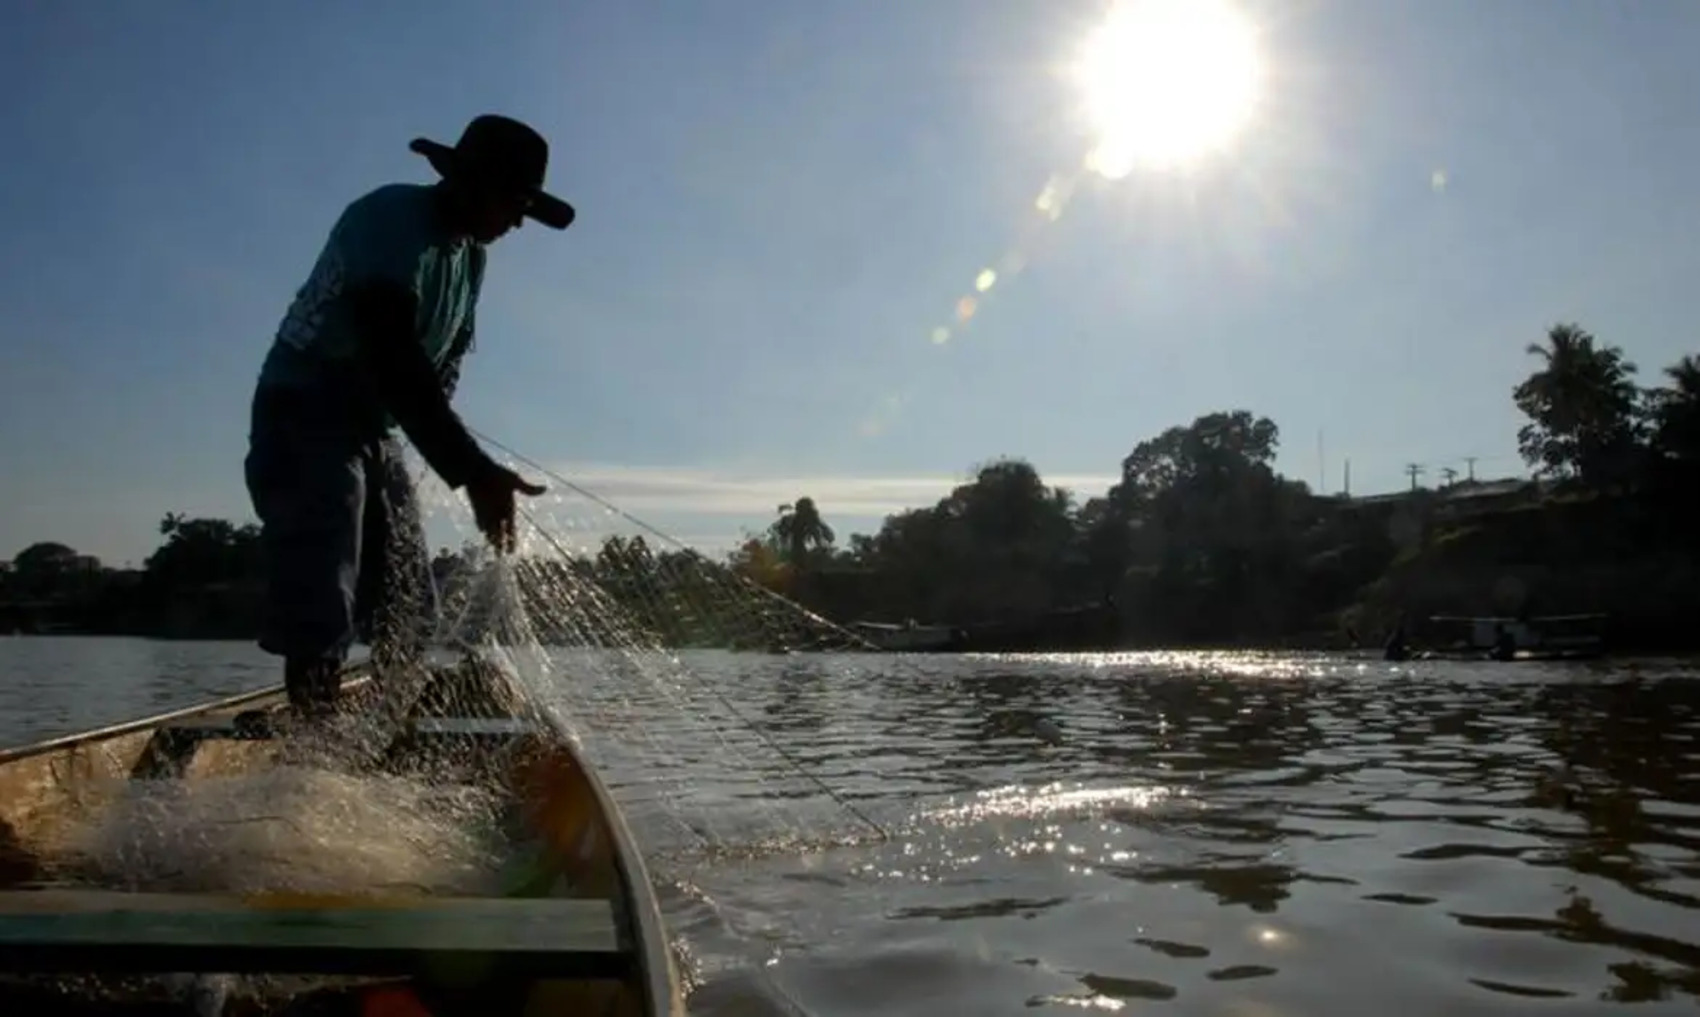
(408, 385)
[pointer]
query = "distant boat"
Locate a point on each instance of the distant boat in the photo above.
(1543, 637)
(907, 637)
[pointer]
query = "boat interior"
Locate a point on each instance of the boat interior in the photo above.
(562, 920)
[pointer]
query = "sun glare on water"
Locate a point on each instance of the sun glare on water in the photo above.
(1167, 82)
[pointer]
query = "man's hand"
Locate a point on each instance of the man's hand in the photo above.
(491, 493)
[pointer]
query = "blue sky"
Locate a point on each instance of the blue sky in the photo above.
(780, 201)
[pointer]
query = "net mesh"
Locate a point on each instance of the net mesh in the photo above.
(633, 651)
(632, 644)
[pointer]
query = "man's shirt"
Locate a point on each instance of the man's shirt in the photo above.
(394, 235)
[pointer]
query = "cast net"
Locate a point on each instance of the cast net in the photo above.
(635, 647)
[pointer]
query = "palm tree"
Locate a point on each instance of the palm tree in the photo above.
(1686, 374)
(801, 529)
(1676, 411)
(1581, 405)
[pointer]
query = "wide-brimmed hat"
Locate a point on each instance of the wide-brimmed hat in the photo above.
(501, 152)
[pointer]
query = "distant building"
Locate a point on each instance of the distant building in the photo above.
(1462, 499)
(1472, 497)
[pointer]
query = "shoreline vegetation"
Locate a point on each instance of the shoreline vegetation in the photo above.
(1200, 544)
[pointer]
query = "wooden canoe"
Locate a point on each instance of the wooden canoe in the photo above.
(576, 931)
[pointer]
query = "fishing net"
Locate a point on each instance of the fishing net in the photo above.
(643, 647)
(639, 649)
(637, 646)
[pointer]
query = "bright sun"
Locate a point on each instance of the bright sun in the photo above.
(1167, 82)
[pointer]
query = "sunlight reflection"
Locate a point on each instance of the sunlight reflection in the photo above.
(1016, 802)
(1218, 663)
(1094, 1001)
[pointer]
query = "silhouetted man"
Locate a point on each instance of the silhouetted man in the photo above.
(375, 339)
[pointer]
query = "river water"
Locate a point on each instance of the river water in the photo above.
(1246, 835)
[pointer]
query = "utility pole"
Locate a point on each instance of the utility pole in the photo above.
(1415, 470)
(1348, 476)
(1321, 465)
(1470, 463)
(1447, 476)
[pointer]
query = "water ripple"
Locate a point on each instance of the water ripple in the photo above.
(1237, 833)
(1212, 833)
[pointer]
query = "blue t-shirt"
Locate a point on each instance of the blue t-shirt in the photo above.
(394, 234)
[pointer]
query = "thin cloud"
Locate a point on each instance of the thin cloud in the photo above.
(703, 492)
(708, 509)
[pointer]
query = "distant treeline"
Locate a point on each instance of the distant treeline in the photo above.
(1200, 542)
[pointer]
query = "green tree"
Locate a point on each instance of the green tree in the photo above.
(1675, 413)
(1103, 546)
(800, 530)
(995, 547)
(1582, 409)
(1212, 530)
(48, 569)
(199, 552)
(46, 558)
(760, 561)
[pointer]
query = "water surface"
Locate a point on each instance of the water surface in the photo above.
(1191, 833)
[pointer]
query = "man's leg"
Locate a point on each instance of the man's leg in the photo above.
(313, 683)
(398, 596)
(308, 487)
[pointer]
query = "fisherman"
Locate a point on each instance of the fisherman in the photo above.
(372, 340)
(1397, 648)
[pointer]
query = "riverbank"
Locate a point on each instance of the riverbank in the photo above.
(1359, 568)
(1524, 551)
(1629, 558)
